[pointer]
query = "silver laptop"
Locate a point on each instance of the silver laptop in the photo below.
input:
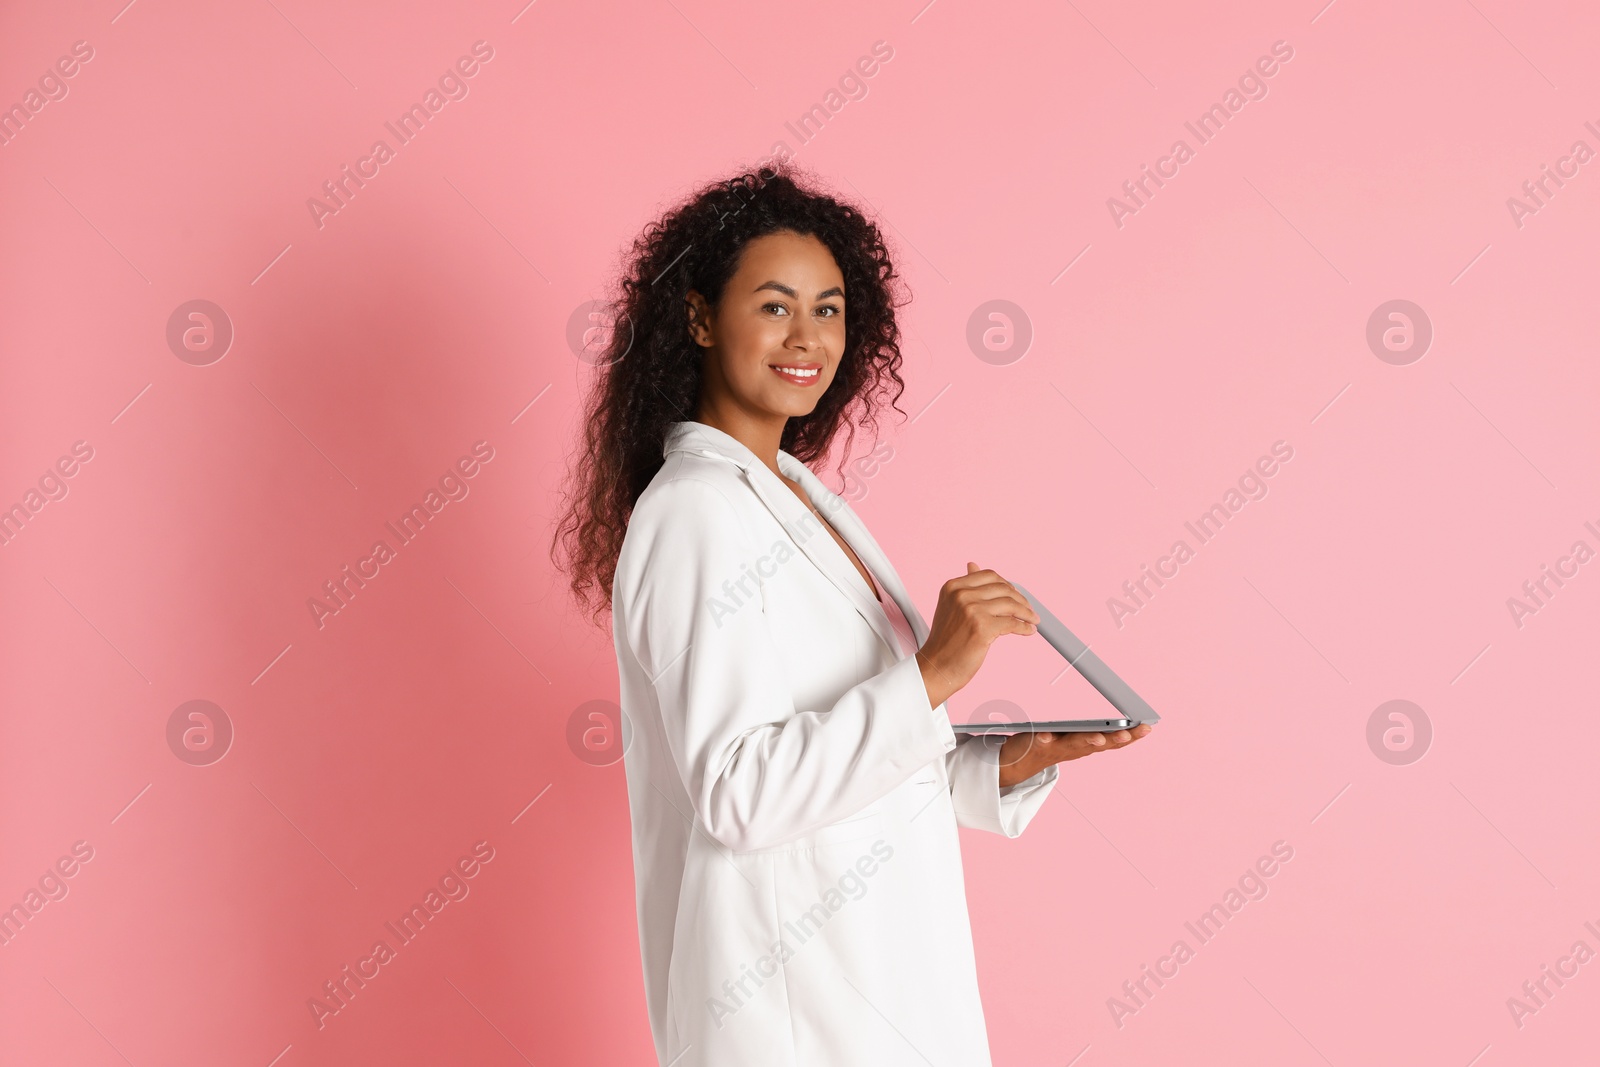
(1120, 694)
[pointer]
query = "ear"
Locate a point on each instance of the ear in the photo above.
(699, 317)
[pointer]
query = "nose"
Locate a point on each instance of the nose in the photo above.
(805, 335)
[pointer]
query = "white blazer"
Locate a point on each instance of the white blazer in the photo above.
(794, 798)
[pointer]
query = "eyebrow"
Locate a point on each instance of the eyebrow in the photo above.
(786, 291)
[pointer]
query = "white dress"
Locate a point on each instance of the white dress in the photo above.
(794, 798)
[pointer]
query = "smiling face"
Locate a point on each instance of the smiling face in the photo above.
(773, 346)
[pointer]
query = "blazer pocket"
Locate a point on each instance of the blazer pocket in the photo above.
(856, 829)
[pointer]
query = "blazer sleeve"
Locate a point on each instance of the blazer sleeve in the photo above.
(758, 770)
(973, 770)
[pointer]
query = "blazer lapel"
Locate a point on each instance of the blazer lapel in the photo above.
(807, 531)
(855, 534)
(854, 531)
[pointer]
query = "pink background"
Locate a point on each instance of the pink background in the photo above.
(1228, 313)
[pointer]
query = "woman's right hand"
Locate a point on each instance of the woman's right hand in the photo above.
(972, 611)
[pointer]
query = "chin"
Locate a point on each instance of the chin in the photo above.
(801, 408)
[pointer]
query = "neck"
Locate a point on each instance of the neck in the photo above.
(761, 434)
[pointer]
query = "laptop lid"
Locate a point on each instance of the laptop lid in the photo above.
(1090, 666)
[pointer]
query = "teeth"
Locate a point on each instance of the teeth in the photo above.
(798, 372)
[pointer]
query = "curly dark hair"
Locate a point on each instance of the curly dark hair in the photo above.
(649, 373)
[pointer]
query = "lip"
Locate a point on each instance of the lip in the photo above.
(792, 380)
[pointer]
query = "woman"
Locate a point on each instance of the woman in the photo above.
(793, 781)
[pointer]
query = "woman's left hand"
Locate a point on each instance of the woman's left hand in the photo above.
(1024, 755)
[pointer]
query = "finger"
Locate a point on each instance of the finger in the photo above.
(1024, 605)
(1072, 739)
(979, 576)
(1079, 744)
(1000, 598)
(962, 581)
(976, 577)
(984, 578)
(1129, 737)
(1005, 598)
(1008, 624)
